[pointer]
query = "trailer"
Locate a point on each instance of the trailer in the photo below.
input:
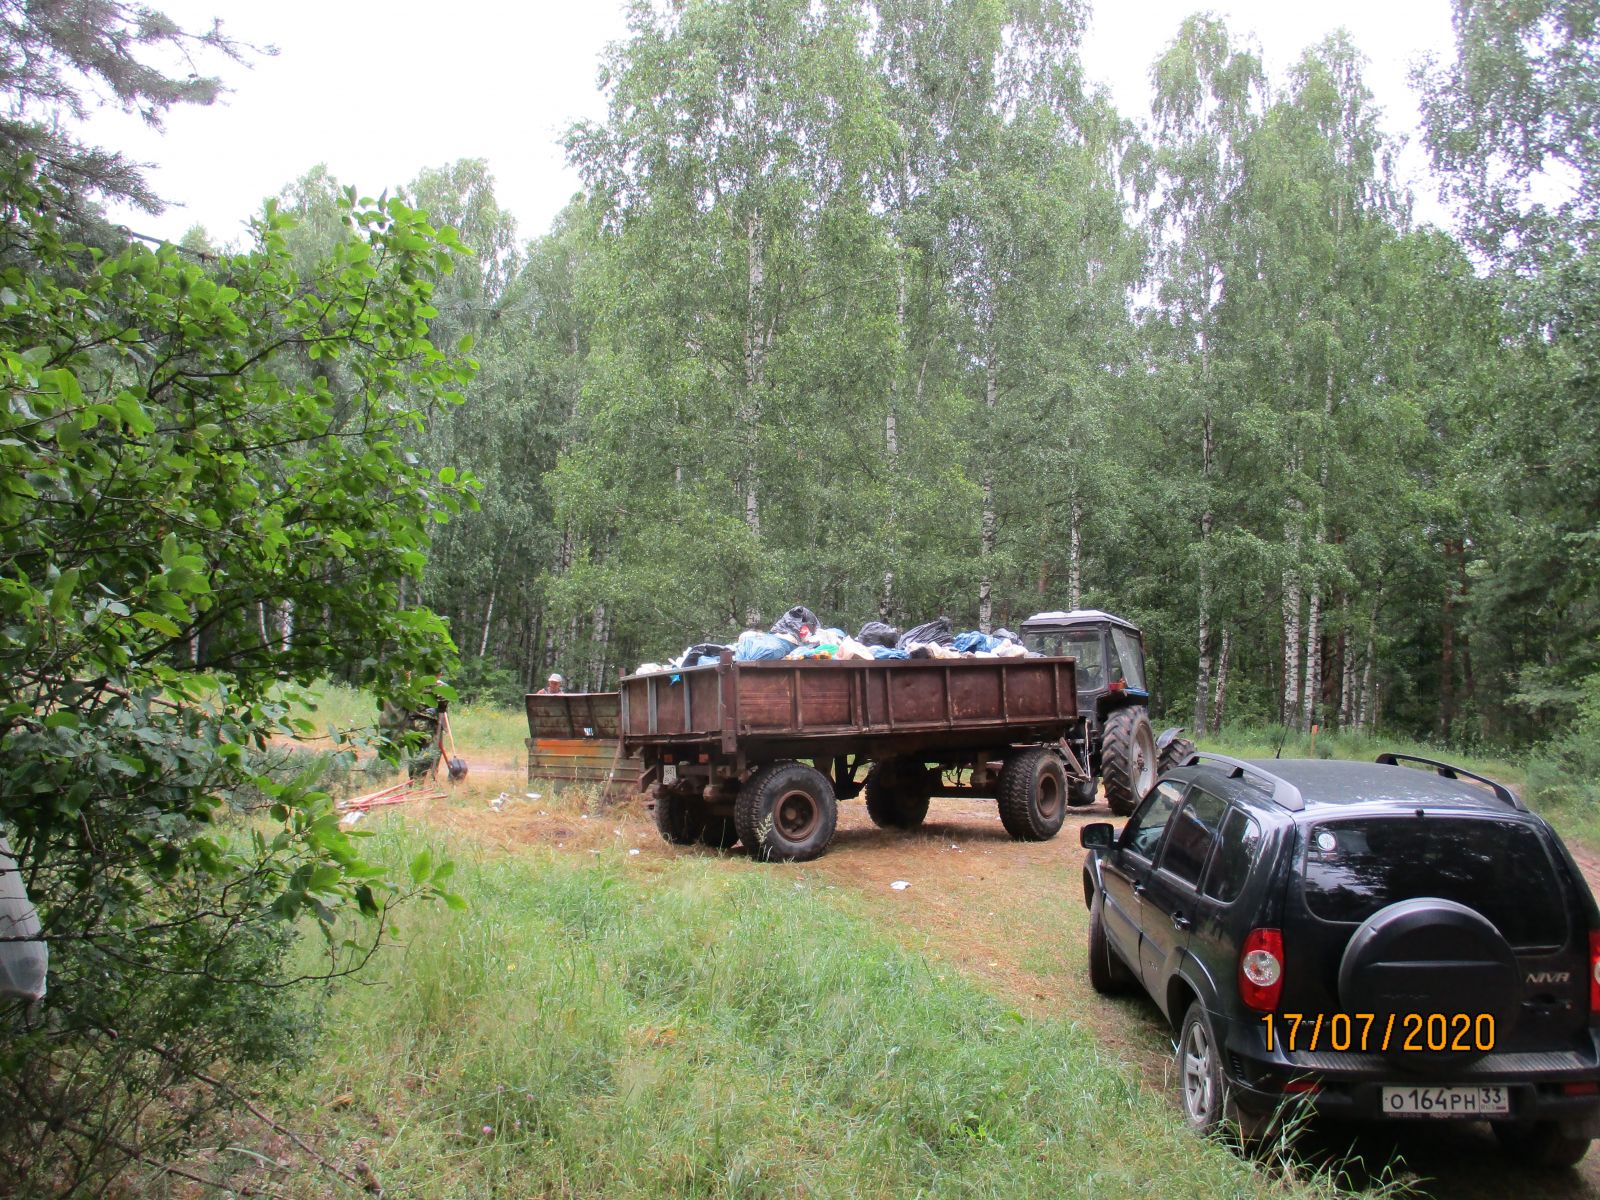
(573, 737)
(760, 753)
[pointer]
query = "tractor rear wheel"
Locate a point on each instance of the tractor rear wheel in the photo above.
(1127, 758)
(1174, 754)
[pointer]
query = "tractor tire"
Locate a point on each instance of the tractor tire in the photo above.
(679, 818)
(898, 791)
(786, 812)
(1174, 754)
(1127, 758)
(1033, 795)
(719, 833)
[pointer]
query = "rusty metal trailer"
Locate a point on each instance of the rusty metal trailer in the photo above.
(760, 753)
(574, 737)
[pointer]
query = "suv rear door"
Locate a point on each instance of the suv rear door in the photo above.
(1504, 868)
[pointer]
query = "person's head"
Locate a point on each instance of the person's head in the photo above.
(555, 683)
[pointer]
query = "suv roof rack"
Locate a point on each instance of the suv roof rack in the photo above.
(1392, 758)
(1284, 793)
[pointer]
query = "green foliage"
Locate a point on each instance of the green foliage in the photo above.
(1564, 774)
(193, 521)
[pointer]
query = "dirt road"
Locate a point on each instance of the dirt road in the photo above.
(1012, 915)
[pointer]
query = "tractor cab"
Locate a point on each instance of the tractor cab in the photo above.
(1117, 744)
(1109, 651)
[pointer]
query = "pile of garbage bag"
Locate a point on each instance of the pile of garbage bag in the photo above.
(799, 634)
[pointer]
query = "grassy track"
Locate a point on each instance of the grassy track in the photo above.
(635, 1027)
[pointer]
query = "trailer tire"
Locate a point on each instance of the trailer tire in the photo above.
(1127, 758)
(680, 819)
(720, 833)
(898, 790)
(786, 812)
(1033, 795)
(1082, 793)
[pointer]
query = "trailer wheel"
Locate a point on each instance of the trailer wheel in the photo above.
(898, 791)
(720, 833)
(1127, 758)
(1082, 793)
(679, 818)
(786, 812)
(1033, 795)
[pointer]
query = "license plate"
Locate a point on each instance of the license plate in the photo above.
(1446, 1102)
(669, 773)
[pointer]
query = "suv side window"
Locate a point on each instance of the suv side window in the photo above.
(1241, 841)
(1194, 831)
(1143, 831)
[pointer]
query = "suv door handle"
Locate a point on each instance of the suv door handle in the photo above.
(1180, 921)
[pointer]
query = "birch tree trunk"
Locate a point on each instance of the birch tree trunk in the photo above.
(1313, 690)
(488, 620)
(891, 440)
(986, 537)
(1291, 648)
(1202, 686)
(1075, 555)
(754, 355)
(1220, 697)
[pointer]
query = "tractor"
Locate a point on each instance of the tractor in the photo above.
(1118, 744)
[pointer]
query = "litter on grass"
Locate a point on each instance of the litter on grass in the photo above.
(900, 885)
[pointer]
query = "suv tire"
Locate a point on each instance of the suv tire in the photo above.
(1208, 1104)
(1033, 795)
(786, 812)
(1127, 758)
(898, 790)
(1540, 1145)
(1108, 974)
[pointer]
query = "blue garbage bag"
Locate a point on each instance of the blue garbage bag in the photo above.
(966, 643)
(889, 652)
(754, 646)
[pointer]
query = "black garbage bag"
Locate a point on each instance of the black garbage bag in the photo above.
(935, 632)
(700, 650)
(876, 633)
(790, 623)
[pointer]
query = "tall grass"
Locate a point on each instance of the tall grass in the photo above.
(705, 1029)
(491, 730)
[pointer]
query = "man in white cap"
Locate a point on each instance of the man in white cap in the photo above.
(552, 686)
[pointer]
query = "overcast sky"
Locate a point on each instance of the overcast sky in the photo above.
(379, 91)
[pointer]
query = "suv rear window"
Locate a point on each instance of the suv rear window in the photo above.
(1500, 868)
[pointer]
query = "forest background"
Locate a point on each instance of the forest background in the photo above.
(877, 307)
(881, 308)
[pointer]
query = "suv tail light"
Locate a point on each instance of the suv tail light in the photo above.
(1594, 972)
(1261, 969)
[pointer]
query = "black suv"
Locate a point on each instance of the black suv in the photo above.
(1370, 939)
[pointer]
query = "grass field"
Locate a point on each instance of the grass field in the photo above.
(492, 731)
(616, 1026)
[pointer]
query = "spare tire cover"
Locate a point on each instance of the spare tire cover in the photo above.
(1430, 956)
